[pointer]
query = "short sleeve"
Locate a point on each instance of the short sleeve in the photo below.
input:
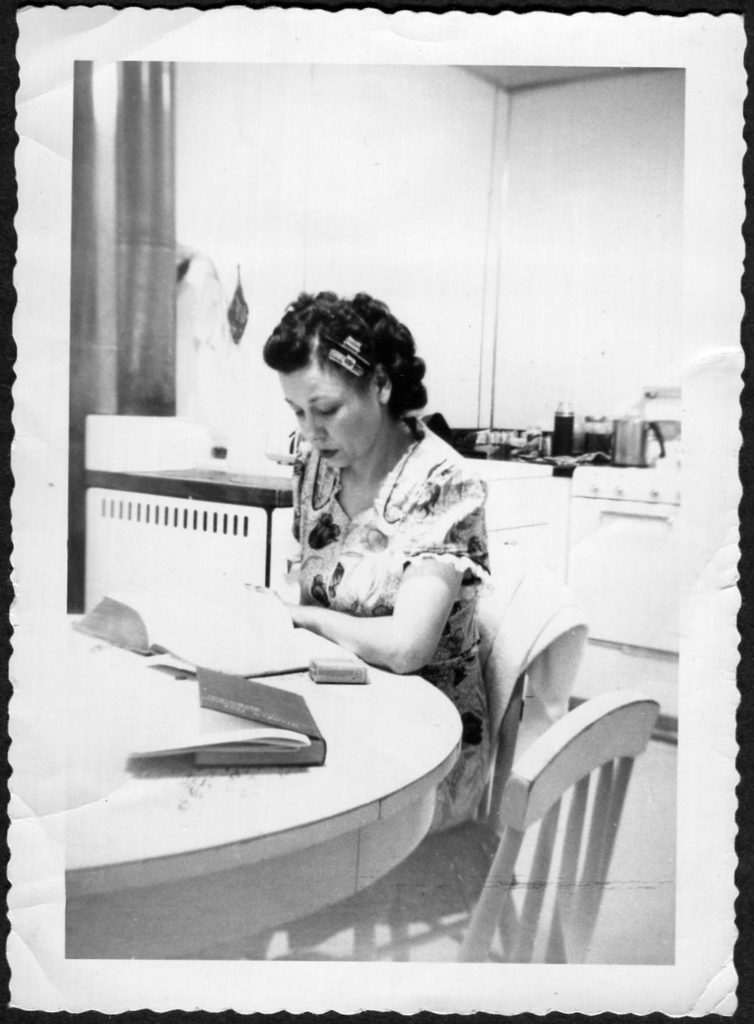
(445, 519)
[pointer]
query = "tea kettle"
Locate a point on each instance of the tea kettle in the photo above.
(630, 441)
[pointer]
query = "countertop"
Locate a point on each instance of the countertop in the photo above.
(268, 484)
(499, 469)
(263, 490)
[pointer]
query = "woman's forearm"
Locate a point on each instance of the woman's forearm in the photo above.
(402, 642)
(373, 639)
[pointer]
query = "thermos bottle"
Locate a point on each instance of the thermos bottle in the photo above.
(562, 434)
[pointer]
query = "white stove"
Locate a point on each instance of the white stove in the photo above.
(624, 567)
(659, 484)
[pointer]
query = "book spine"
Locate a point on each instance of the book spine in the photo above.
(246, 710)
(233, 707)
(307, 757)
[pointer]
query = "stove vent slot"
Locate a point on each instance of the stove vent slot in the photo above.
(141, 542)
(168, 513)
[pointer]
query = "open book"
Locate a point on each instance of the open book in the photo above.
(238, 722)
(251, 636)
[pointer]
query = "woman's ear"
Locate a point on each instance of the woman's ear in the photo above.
(383, 384)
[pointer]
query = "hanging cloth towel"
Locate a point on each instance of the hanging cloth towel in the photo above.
(238, 312)
(208, 363)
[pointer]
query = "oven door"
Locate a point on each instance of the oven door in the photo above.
(624, 567)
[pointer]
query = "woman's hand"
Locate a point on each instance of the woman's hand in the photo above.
(301, 614)
(404, 641)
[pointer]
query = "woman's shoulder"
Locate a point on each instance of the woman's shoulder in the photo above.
(442, 513)
(438, 461)
(439, 478)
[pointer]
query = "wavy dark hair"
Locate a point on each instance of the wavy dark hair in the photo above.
(314, 324)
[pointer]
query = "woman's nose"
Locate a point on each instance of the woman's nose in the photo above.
(312, 429)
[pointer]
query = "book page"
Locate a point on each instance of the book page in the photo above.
(212, 729)
(251, 635)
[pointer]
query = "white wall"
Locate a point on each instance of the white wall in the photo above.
(591, 258)
(348, 178)
(381, 178)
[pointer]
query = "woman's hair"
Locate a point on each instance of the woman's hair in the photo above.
(352, 337)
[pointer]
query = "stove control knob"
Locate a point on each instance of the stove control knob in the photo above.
(618, 492)
(595, 489)
(654, 494)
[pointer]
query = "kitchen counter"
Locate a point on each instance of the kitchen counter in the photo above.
(269, 491)
(267, 486)
(207, 518)
(500, 469)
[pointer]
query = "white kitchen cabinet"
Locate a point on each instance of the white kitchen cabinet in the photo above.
(590, 298)
(625, 568)
(527, 508)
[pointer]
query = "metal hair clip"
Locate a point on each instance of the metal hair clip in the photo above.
(347, 353)
(346, 361)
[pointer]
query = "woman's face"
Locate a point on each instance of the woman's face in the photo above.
(341, 421)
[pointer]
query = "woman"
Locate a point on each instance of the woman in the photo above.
(389, 518)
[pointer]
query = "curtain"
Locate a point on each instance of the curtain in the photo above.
(123, 262)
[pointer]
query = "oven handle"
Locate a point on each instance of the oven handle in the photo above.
(663, 517)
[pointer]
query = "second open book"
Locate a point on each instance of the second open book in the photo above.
(249, 634)
(237, 720)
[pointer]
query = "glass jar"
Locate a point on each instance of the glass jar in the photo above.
(597, 434)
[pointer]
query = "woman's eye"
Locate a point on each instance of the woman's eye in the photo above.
(328, 412)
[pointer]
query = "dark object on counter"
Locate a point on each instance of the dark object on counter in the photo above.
(577, 448)
(463, 439)
(598, 432)
(562, 434)
(564, 465)
(439, 425)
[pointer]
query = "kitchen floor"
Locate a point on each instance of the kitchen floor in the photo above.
(610, 667)
(636, 921)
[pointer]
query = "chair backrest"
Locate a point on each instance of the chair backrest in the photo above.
(524, 610)
(532, 638)
(591, 748)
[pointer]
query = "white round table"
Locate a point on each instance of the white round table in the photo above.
(172, 861)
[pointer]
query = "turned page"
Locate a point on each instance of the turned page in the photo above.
(248, 634)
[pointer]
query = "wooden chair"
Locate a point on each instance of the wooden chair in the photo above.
(532, 639)
(591, 748)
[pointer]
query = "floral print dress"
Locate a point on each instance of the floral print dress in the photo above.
(429, 506)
